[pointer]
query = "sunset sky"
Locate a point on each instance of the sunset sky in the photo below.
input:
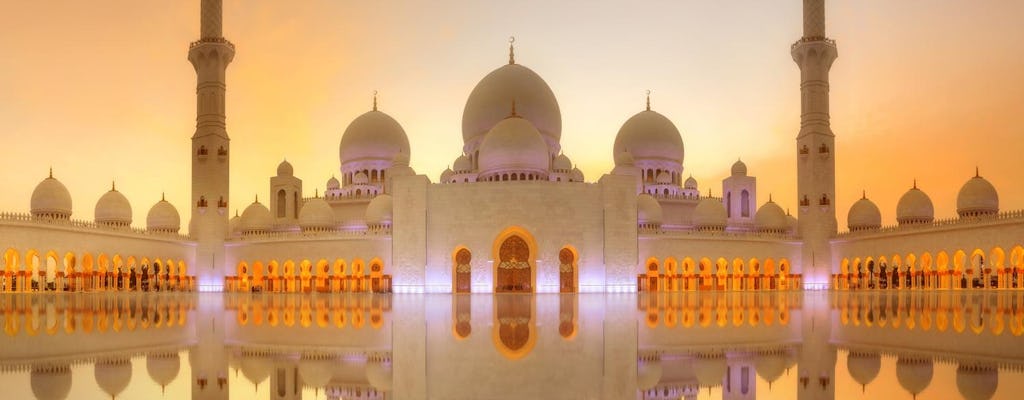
(101, 90)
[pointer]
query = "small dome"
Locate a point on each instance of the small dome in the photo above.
(710, 369)
(333, 183)
(51, 199)
(163, 368)
(400, 166)
(380, 374)
(316, 372)
(446, 175)
(372, 136)
(977, 197)
(791, 222)
(663, 178)
(561, 163)
(914, 375)
(709, 214)
(863, 367)
(864, 214)
(462, 164)
(977, 382)
(648, 135)
(256, 368)
(648, 210)
(624, 158)
(379, 211)
(114, 209)
(690, 183)
(576, 175)
(401, 159)
(915, 207)
(51, 383)
(256, 218)
(487, 104)
(739, 168)
(233, 223)
(770, 366)
(163, 217)
(316, 214)
(771, 218)
(360, 178)
(648, 373)
(113, 376)
(513, 145)
(285, 169)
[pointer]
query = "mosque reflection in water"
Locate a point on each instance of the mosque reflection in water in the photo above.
(611, 346)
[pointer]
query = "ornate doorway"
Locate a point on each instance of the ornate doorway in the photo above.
(462, 270)
(567, 270)
(514, 272)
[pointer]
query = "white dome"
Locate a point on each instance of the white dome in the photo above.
(360, 178)
(739, 168)
(462, 164)
(709, 213)
(864, 214)
(285, 169)
(256, 218)
(379, 211)
(163, 368)
(914, 207)
(690, 183)
(648, 210)
(977, 197)
(863, 367)
(401, 159)
(372, 136)
(488, 103)
(648, 135)
(513, 145)
(234, 222)
(113, 208)
(316, 213)
(163, 217)
(51, 383)
(113, 376)
(624, 158)
(380, 375)
(446, 175)
(977, 383)
(576, 175)
(256, 368)
(914, 375)
(663, 178)
(791, 222)
(561, 163)
(771, 218)
(648, 373)
(770, 366)
(316, 372)
(333, 183)
(51, 198)
(710, 369)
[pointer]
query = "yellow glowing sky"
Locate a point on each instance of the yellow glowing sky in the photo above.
(102, 89)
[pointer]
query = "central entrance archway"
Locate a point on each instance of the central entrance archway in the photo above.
(514, 270)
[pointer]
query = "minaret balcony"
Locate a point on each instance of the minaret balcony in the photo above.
(212, 40)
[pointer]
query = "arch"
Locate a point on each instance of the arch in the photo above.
(844, 266)
(567, 269)
(242, 271)
(721, 272)
(672, 274)
(513, 252)
(462, 270)
(323, 273)
(305, 276)
(52, 264)
(116, 264)
(978, 268)
(281, 200)
(259, 270)
(70, 263)
(10, 260)
(745, 203)
(358, 275)
(688, 266)
(339, 267)
(376, 273)
(997, 262)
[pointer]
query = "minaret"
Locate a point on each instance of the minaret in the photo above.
(815, 147)
(210, 56)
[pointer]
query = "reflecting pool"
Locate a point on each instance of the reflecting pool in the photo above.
(810, 345)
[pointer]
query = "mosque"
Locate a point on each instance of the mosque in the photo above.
(512, 214)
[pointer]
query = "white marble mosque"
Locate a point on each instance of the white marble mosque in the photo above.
(512, 214)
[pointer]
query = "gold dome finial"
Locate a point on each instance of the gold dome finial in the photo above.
(513, 114)
(374, 100)
(51, 172)
(863, 194)
(511, 50)
(113, 185)
(915, 183)
(648, 99)
(976, 173)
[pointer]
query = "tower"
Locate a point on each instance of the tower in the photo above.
(210, 56)
(815, 146)
(739, 192)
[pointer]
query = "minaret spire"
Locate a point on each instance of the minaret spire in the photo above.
(211, 26)
(511, 50)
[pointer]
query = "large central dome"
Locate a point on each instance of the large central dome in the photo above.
(373, 136)
(488, 103)
(649, 136)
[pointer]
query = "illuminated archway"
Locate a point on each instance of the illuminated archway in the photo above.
(942, 269)
(513, 253)
(737, 274)
(721, 272)
(323, 273)
(305, 274)
(567, 269)
(997, 262)
(462, 270)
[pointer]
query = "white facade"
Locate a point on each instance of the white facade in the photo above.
(513, 212)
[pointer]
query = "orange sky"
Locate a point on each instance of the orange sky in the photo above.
(102, 90)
